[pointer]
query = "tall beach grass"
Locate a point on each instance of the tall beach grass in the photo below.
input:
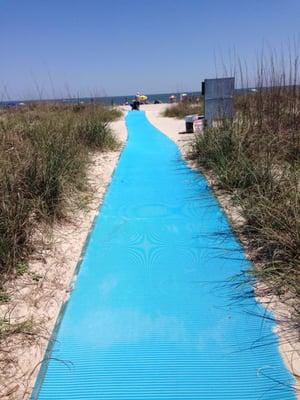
(44, 153)
(180, 110)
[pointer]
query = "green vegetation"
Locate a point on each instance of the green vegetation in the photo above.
(44, 153)
(256, 159)
(180, 110)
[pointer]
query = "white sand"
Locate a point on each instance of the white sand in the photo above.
(172, 127)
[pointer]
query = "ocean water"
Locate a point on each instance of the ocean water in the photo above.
(162, 97)
(107, 100)
(112, 100)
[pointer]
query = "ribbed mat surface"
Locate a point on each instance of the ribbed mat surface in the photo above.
(155, 312)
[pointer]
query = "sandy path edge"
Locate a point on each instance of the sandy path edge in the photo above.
(288, 346)
(39, 294)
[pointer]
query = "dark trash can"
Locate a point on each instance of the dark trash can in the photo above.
(189, 122)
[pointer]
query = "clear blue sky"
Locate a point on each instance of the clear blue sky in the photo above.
(115, 47)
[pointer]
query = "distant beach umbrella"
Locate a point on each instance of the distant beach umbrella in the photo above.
(183, 97)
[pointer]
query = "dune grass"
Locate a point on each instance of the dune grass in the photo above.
(256, 159)
(180, 110)
(44, 154)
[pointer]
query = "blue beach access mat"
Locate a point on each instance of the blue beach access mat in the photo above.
(157, 311)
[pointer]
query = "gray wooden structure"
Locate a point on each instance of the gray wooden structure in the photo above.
(218, 99)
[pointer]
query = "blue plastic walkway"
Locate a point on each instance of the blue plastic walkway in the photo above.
(155, 313)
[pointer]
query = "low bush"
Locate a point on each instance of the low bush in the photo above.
(180, 110)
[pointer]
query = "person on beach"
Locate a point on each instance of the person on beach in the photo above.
(135, 105)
